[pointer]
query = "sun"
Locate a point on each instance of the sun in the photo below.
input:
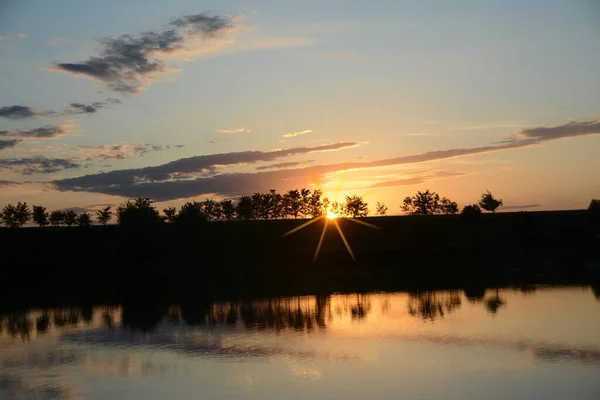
(331, 217)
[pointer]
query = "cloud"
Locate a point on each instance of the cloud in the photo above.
(234, 130)
(122, 151)
(79, 108)
(283, 165)
(418, 178)
(8, 183)
(294, 134)
(185, 169)
(7, 144)
(196, 176)
(111, 100)
(36, 165)
(22, 35)
(129, 63)
(22, 112)
(570, 129)
(44, 132)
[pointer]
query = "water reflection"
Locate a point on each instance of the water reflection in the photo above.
(43, 352)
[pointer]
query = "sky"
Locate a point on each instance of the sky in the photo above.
(186, 100)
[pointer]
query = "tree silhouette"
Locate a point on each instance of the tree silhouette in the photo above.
(191, 214)
(305, 195)
(104, 215)
(325, 206)
(84, 220)
(292, 201)
(40, 216)
(15, 216)
(138, 213)
(228, 209)
(594, 209)
(170, 214)
(356, 207)
(337, 209)
(494, 303)
(274, 203)
(423, 203)
(244, 209)
(448, 207)
(57, 218)
(380, 209)
(489, 203)
(70, 218)
(471, 210)
(210, 210)
(315, 205)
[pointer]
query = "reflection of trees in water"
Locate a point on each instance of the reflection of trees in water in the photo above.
(430, 305)
(303, 313)
(24, 324)
(494, 303)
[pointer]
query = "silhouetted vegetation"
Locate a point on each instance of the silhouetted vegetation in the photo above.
(15, 216)
(138, 213)
(40, 216)
(70, 218)
(104, 215)
(57, 218)
(472, 210)
(428, 203)
(489, 203)
(356, 207)
(84, 220)
(380, 209)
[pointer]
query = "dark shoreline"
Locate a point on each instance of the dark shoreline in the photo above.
(253, 258)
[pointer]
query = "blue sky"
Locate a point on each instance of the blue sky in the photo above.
(376, 81)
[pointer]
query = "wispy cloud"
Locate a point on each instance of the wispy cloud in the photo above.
(44, 132)
(36, 165)
(197, 176)
(23, 112)
(185, 168)
(129, 63)
(294, 134)
(283, 165)
(7, 144)
(418, 178)
(521, 207)
(233, 130)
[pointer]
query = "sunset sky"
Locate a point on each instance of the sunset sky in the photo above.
(188, 99)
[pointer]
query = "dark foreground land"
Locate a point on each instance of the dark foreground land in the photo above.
(254, 258)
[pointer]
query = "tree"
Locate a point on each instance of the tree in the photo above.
(489, 203)
(356, 207)
(228, 209)
(305, 195)
(170, 214)
(315, 205)
(380, 209)
(104, 215)
(191, 214)
(209, 209)
(70, 218)
(57, 218)
(337, 209)
(448, 206)
(244, 209)
(40, 216)
(274, 202)
(292, 201)
(138, 213)
(423, 203)
(15, 216)
(471, 210)
(325, 206)
(84, 220)
(594, 207)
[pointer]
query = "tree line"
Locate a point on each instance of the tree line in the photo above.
(295, 203)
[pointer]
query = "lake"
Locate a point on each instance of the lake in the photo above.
(507, 343)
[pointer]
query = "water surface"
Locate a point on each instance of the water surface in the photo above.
(474, 344)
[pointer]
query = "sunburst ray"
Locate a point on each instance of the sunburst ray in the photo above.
(358, 221)
(304, 225)
(320, 241)
(335, 222)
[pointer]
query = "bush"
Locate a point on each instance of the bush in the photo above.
(138, 213)
(471, 210)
